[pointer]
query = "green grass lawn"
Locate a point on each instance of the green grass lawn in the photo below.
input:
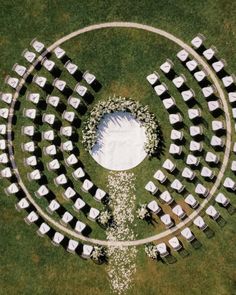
(121, 59)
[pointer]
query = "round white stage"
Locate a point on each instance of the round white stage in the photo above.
(120, 144)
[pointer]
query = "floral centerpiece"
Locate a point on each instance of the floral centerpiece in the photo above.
(121, 104)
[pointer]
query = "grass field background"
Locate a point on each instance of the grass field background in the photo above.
(122, 58)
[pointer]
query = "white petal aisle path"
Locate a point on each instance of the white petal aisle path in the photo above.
(122, 260)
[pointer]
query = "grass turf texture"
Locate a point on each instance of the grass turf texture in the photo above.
(120, 58)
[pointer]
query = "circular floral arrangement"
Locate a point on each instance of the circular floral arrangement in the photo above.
(121, 104)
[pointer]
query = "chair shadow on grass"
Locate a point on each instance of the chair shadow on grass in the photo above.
(171, 75)
(61, 107)
(56, 141)
(220, 132)
(179, 125)
(40, 165)
(223, 73)
(48, 88)
(170, 259)
(77, 75)
(56, 72)
(82, 109)
(199, 120)
(74, 137)
(178, 157)
(164, 95)
(221, 221)
(43, 180)
(86, 209)
(183, 252)
(197, 168)
(192, 103)
(175, 172)
(209, 233)
(22, 90)
(14, 119)
(96, 85)
(231, 88)
(64, 242)
(201, 49)
(150, 220)
(51, 196)
(17, 105)
(67, 91)
(204, 83)
(42, 105)
(216, 113)
(88, 98)
(61, 170)
(65, 59)
(51, 233)
(215, 165)
(20, 194)
(196, 244)
(38, 152)
(174, 109)
(57, 125)
(231, 209)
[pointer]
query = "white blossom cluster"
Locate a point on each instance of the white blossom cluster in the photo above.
(121, 104)
(104, 217)
(98, 253)
(151, 251)
(142, 212)
(122, 260)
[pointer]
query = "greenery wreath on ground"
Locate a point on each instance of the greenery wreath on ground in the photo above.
(122, 104)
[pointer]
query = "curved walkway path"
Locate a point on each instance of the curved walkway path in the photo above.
(180, 225)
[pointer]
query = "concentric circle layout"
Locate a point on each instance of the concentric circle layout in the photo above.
(120, 144)
(213, 77)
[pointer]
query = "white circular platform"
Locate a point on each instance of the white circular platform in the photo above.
(121, 141)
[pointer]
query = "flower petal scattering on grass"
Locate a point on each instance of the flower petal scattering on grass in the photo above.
(122, 260)
(122, 104)
(121, 267)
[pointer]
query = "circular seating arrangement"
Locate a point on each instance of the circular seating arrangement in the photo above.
(198, 147)
(52, 151)
(52, 115)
